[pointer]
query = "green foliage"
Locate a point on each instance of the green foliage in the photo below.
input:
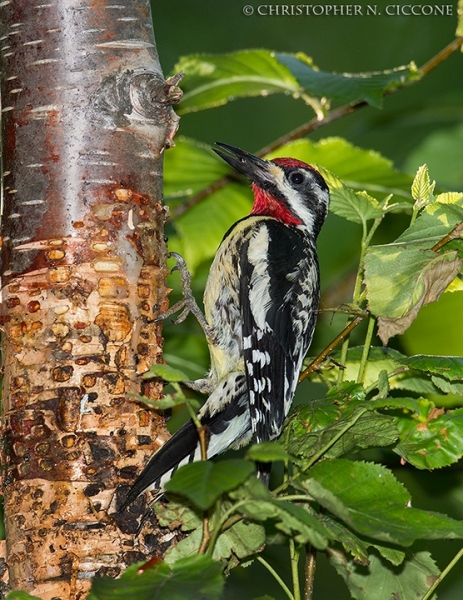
(267, 452)
(204, 481)
(335, 493)
(408, 273)
(383, 582)
(165, 372)
(197, 576)
(371, 501)
(212, 80)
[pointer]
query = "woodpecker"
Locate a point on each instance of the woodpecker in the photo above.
(261, 302)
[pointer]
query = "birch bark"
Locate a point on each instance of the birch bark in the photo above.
(86, 117)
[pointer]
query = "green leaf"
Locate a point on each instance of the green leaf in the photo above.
(400, 279)
(178, 513)
(351, 543)
(394, 556)
(297, 521)
(432, 438)
(370, 430)
(435, 221)
(219, 211)
(358, 168)
(377, 504)
(358, 207)
(267, 452)
(379, 581)
(163, 404)
(357, 547)
(190, 167)
(446, 386)
(213, 80)
(204, 481)
(197, 577)
(242, 540)
(403, 276)
(422, 188)
(166, 373)
(313, 427)
(291, 519)
(384, 360)
(450, 367)
(414, 405)
(347, 87)
(380, 361)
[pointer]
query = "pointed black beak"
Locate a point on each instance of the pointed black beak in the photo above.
(253, 167)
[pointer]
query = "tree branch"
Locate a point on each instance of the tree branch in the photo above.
(324, 353)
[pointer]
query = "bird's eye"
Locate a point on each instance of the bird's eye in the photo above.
(296, 178)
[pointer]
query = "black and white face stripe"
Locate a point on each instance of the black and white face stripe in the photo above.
(304, 192)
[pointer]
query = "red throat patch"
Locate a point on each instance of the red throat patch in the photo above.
(267, 205)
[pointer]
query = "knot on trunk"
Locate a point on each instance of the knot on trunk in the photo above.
(136, 95)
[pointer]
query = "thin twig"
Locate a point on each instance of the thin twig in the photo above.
(206, 536)
(310, 564)
(439, 58)
(453, 235)
(311, 126)
(444, 573)
(314, 365)
(271, 570)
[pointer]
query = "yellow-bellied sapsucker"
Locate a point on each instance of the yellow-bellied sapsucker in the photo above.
(261, 301)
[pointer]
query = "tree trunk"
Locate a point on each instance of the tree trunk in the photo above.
(86, 118)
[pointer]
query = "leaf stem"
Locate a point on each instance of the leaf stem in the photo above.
(366, 349)
(343, 357)
(294, 554)
(444, 573)
(203, 443)
(218, 528)
(333, 440)
(436, 60)
(271, 570)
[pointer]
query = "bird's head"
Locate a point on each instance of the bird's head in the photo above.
(286, 189)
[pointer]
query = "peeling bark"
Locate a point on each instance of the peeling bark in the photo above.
(86, 117)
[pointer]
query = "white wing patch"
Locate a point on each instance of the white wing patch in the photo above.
(259, 296)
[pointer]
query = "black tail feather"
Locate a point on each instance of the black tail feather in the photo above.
(183, 443)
